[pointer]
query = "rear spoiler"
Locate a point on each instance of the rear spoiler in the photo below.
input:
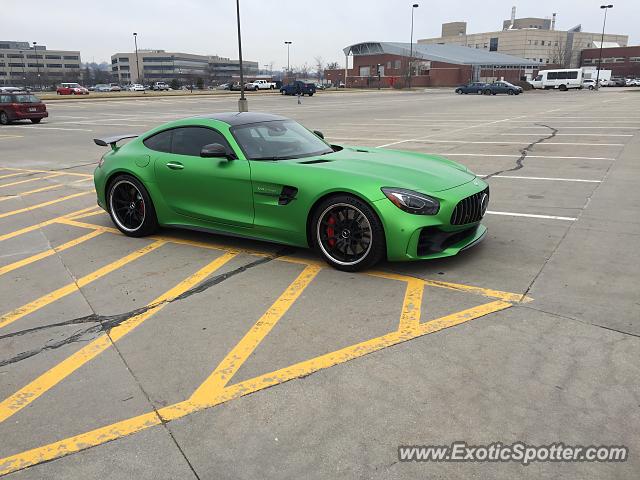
(103, 142)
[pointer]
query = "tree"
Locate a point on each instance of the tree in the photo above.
(175, 85)
(319, 68)
(332, 66)
(200, 83)
(560, 53)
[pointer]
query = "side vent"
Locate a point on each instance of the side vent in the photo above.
(288, 193)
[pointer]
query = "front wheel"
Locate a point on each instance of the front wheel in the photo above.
(130, 207)
(348, 233)
(4, 119)
(487, 92)
(35, 120)
(511, 92)
(458, 91)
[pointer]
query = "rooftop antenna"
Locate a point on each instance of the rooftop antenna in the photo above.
(553, 21)
(513, 17)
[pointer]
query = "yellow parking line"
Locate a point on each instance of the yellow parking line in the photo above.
(411, 307)
(44, 189)
(8, 137)
(19, 182)
(12, 175)
(239, 354)
(49, 379)
(72, 287)
(139, 423)
(43, 204)
(28, 170)
(31, 228)
(49, 252)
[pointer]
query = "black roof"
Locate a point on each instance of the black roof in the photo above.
(235, 118)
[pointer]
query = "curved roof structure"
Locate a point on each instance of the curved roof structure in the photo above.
(456, 54)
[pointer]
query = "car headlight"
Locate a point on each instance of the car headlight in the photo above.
(412, 202)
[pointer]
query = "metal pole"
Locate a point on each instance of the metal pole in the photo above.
(413, 7)
(287, 43)
(35, 51)
(243, 104)
(605, 8)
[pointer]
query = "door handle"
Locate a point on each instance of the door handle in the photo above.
(175, 165)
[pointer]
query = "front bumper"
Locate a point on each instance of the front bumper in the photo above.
(418, 237)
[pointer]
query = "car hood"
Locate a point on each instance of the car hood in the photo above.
(393, 168)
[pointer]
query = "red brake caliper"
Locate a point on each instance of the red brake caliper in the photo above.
(331, 232)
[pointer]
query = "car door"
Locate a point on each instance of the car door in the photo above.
(216, 190)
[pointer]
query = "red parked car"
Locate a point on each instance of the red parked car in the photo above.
(71, 89)
(21, 106)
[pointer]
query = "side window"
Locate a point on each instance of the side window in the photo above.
(190, 140)
(573, 75)
(552, 76)
(563, 75)
(160, 142)
(5, 98)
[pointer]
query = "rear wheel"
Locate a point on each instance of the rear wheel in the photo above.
(4, 119)
(35, 120)
(487, 92)
(458, 91)
(348, 233)
(130, 207)
(511, 92)
(563, 88)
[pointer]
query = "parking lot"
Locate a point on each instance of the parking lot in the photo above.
(191, 355)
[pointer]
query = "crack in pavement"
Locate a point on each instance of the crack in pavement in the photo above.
(104, 323)
(524, 151)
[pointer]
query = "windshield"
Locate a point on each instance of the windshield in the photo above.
(27, 99)
(278, 140)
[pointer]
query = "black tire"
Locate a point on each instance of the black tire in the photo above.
(459, 91)
(361, 232)
(137, 216)
(563, 88)
(35, 120)
(511, 92)
(311, 94)
(487, 92)
(4, 119)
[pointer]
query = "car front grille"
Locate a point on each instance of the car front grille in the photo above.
(433, 240)
(471, 209)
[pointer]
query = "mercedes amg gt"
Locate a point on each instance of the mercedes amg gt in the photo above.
(267, 177)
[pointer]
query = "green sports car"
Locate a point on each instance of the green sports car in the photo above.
(267, 177)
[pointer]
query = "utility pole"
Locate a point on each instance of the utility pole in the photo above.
(287, 43)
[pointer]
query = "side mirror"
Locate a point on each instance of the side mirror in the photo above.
(215, 150)
(319, 133)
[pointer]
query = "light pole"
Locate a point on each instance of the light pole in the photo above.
(605, 8)
(378, 71)
(243, 105)
(288, 69)
(35, 51)
(135, 42)
(413, 7)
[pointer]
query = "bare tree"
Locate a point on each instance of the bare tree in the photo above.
(304, 70)
(559, 53)
(332, 66)
(319, 68)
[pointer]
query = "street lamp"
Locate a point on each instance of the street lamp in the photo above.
(378, 71)
(413, 7)
(35, 51)
(605, 8)
(288, 44)
(243, 105)
(135, 41)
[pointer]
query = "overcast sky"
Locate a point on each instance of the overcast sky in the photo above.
(316, 27)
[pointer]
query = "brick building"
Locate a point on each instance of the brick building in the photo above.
(386, 64)
(622, 61)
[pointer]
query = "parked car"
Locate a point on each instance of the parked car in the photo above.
(102, 87)
(12, 89)
(501, 87)
(618, 82)
(473, 87)
(235, 87)
(136, 87)
(250, 86)
(21, 105)
(224, 86)
(298, 88)
(71, 89)
(160, 86)
(263, 85)
(320, 86)
(115, 87)
(632, 82)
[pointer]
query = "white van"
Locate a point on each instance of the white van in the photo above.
(562, 79)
